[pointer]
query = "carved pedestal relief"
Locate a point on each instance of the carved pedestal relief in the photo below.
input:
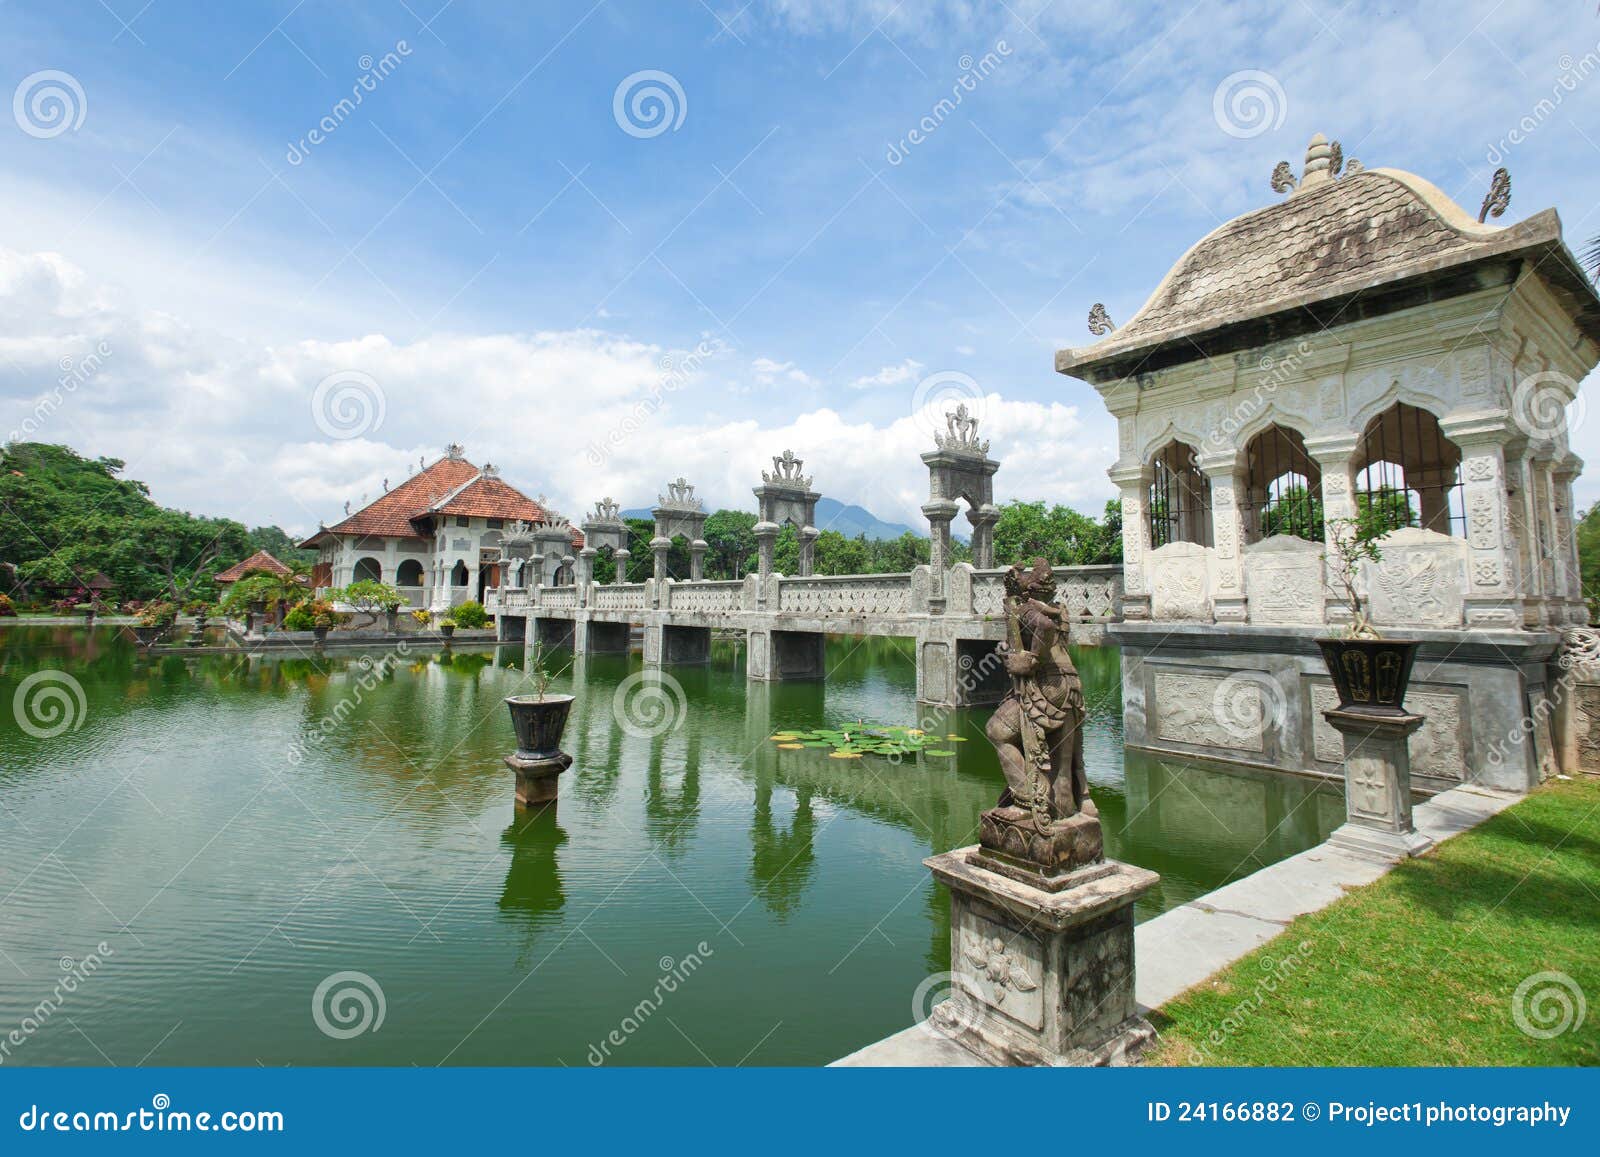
(1438, 749)
(1178, 582)
(1418, 581)
(1283, 576)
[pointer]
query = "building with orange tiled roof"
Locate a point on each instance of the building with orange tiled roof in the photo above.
(260, 562)
(436, 536)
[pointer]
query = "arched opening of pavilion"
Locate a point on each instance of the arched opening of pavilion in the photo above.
(1407, 473)
(1283, 487)
(1180, 497)
(367, 569)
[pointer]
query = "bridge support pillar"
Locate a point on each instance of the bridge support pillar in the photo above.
(510, 628)
(552, 632)
(606, 638)
(959, 672)
(669, 646)
(778, 656)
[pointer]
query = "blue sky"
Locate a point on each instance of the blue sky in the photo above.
(482, 251)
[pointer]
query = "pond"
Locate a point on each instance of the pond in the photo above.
(247, 860)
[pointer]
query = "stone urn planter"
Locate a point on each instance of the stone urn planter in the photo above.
(391, 620)
(448, 630)
(147, 636)
(1370, 675)
(538, 761)
(88, 614)
(320, 633)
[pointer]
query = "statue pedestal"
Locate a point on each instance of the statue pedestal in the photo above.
(536, 778)
(1042, 975)
(1377, 786)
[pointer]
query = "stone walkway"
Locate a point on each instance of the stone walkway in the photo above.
(1179, 949)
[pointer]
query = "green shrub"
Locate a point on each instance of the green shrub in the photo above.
(299, 618)
(470, 615)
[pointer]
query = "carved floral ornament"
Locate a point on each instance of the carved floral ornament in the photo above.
(1100, 322)
(1580, 647)
(607, 510)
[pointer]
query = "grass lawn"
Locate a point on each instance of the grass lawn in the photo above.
(1421, 967)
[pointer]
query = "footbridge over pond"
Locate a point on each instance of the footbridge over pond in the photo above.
(955, 619)
(952, 610)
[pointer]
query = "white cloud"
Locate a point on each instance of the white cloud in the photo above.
(768, 371)
(896, 375)
(220, 426)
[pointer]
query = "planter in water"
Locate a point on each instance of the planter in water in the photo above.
(1370, 675)
(391, 621)
(321, 633)
(448, 630)
(538, 760)
(147, 636)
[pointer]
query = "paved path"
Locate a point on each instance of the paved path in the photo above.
(1179, 949)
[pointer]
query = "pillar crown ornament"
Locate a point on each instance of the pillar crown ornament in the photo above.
(961, 434)
(786, 472)
(680, 495)
(516, 533)
(1325, 161)
(455, 452)
(607, 510)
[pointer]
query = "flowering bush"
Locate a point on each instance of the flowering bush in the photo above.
(157, 614)
(422, 617)
(6, 609)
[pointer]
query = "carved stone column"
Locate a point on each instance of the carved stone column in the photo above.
(1134, 484)
(622, 557)
(808, 548)
(1562, 473)
(939, 515)
(766, 546)
(585, 573)
(1492, 596)
(1335, 458)
(1226, 473)
(983, 520)
(697, 559)
(659, 548)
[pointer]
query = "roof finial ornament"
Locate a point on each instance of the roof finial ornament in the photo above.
(490, 470)
(1496, 200)
(1324, 162)
(455, 451)
(1100, 322)
(386, 486)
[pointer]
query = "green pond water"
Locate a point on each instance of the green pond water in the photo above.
(235, 832)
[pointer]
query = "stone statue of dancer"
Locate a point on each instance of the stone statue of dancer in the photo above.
(1037, 732)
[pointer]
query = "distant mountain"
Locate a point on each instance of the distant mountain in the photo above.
(835, 515)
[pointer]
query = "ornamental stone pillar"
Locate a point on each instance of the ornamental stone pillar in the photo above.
(586, 558)
(1226, 474)
(697, 559)
(1335, 459)
(659, 548)
(1492, 598)
(621, 556)
(1562, 473)
(983, 519)
(1133, 482)
(766, 546)
(808, 549)
(939, 515)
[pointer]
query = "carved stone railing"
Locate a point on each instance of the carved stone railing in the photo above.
(513, 597)
(618, 597)
(706, 597)
(861, 594)
(1092, 593)
(558, 598)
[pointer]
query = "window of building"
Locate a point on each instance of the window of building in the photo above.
(1407, 473)
(1180, 497)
